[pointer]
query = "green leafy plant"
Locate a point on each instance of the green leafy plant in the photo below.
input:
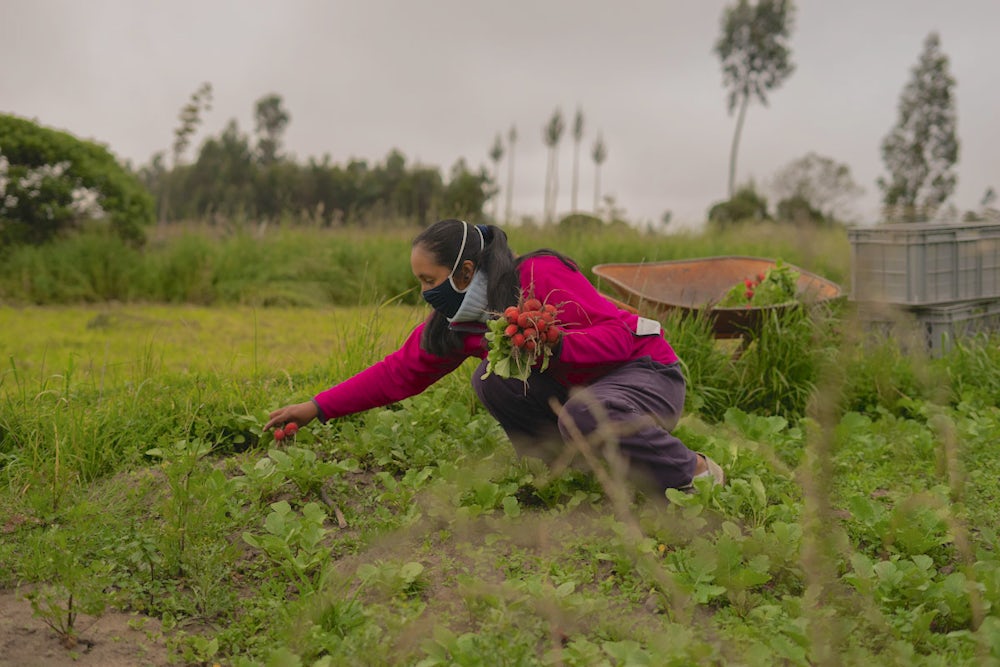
(777, 286)
(405, 579)
(294, 543)
(72, 583)
(181, 464)
(303, 468)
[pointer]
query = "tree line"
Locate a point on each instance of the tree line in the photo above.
(237, 174)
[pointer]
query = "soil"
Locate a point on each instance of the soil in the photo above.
(114, 639)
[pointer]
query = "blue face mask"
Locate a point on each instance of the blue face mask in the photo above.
(446, 298)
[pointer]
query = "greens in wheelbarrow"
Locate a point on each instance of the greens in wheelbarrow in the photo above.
(776, 286)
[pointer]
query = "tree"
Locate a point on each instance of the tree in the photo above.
(511, 141)
(599, 153)
(746, 205)
(223, 180)
(52, 182)
(190, 118)
(920, 152)
(272, 121)
(552, 134)
(577, 138)
(465, 193)
(496, 154)
(817, 184)
(986, 210)
(419, 193)
(755, 56)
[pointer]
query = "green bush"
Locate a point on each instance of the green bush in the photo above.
(50, 182)
(799, 210)
(746, 204)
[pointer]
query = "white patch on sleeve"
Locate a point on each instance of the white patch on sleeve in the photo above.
(647, 327)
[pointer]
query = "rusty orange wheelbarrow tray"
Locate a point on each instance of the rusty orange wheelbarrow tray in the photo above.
(696, 285)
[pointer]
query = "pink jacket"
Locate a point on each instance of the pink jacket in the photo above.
(598, 337)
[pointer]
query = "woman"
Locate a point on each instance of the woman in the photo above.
(610, 365)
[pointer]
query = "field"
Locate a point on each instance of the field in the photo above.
(145, 518)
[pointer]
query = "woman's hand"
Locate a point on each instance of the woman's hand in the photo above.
(300, 413)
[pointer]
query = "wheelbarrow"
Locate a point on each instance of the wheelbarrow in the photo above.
(695, 286)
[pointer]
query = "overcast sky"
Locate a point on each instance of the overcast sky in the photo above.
(438, 79)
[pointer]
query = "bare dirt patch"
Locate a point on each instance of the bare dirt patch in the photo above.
(114, 639)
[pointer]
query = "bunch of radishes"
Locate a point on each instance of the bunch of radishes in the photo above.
(522, 338)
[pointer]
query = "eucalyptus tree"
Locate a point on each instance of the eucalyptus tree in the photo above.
(496, 154)
(577, 138)
(755, 56)
(511, 142)
(920, 152)
(599, 153)
(552, 134)
(271, 122)
(190, 117)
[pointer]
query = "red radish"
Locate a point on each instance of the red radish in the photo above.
(279, 434)
(523, 320)
(530, 333)
(517, 340)
(511, 330)
(552, 335)
(291, 428)
(530, 345)
(550, 308)
(511, 313)
(532, 304)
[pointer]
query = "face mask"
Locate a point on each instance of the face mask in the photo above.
(446, 298)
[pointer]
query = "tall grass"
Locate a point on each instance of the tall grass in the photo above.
(310, 266)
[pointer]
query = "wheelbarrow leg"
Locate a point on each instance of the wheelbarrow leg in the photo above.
(745, 341)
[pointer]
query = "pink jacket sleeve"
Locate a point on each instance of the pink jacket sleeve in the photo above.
(404, 373)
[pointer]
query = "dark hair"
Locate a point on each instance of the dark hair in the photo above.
(546, 252)
(442, 241)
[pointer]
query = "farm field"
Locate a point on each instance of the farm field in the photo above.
(148, 520)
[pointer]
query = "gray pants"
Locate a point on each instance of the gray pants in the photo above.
(640, 402)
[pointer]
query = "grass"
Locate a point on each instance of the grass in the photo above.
(856, 527)
(138, 341)
(412, 535)
(300, 266)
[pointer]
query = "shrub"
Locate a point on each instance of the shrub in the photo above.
(50, 182)
(746, 204)
(799, 210)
